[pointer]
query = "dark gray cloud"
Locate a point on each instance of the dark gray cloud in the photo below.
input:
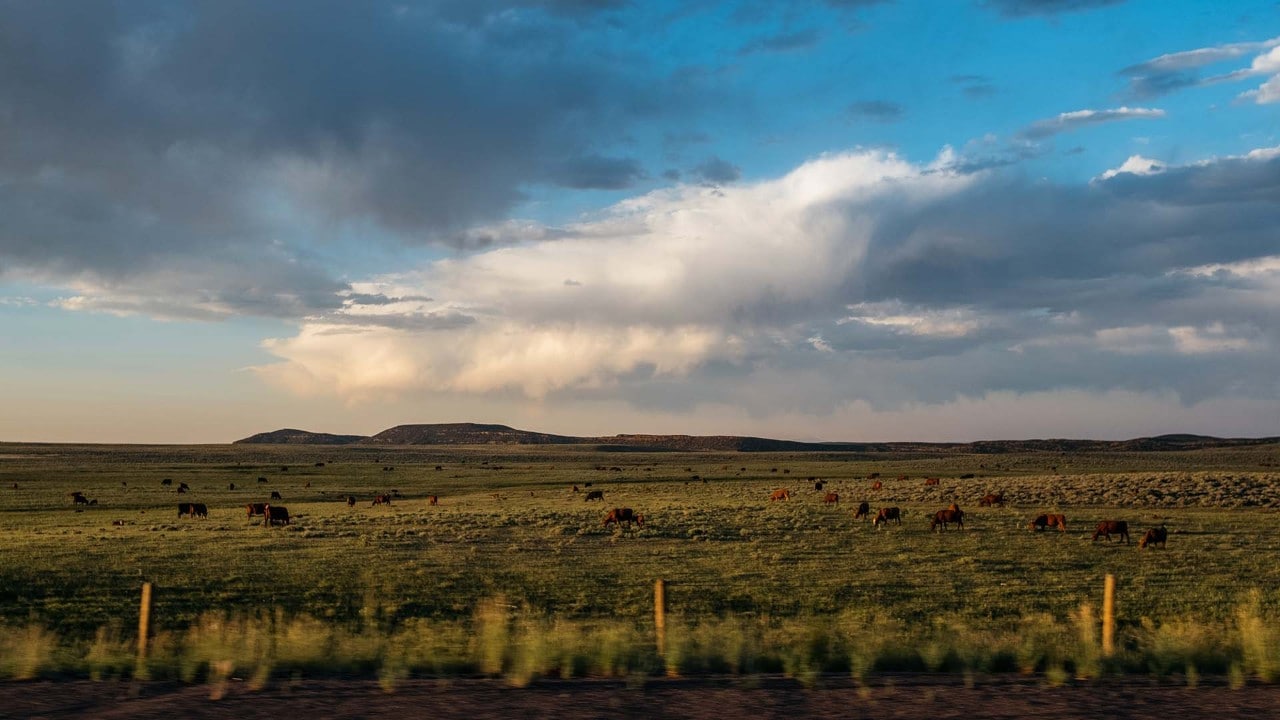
(717, 170)
(784, 42)
(975, 87)
(1176, 71)
(1029, 8)
(155, 133)
(596, 172)
(878, 110)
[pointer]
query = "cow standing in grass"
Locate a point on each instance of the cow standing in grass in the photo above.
(275, 515)
(863, 511)
(618, 516)
(885, 515)
(1153, 537)
(1108, 527)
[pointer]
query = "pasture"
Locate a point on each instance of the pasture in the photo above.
(510, 539)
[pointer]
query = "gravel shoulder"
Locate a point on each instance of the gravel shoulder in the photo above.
(896, 696)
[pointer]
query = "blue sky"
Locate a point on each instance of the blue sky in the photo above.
(834, 219)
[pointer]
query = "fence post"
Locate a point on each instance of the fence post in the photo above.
(1108, 615)
(144, 632)
(660, 617)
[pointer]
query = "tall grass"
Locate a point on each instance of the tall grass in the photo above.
(522, 645)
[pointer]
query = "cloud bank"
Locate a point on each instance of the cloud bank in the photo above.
(855, 278)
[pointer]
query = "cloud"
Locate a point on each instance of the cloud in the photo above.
(717, 170)
(879, 110)
(1175, 71)
(1134, 165)
(783, 42)
(855, 278)
(594, 172)
(1076, 119)
(975, 87)
(1029, 8)
(142, 145)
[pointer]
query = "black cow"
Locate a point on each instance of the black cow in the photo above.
(255, 509)
(275, 515)
(864, 510)
(275, 495)
(885, 515)
(193, 510)
(595, 495)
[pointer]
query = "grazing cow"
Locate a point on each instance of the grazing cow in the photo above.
(877, 485)
(863, 511)
(931, 481)
(439, 467)
(167, 481)
(575, 489)
(830, 498)
(780, 495)
(1107, 527)
(967, 476)
(818, 486)
(433, 500)
(623, 515)
(319, 464)
(275, 495)
(79, 500)
(351, 501)
(180, 490)
(942, 518)
(1153, 537)
(193, 510)
(284, 468)
(873, 476)
(183, 486)
(1040, 522)
(255, 509)
(231, 486)
(594, 495)
(262, 479)
(885, 515)
(119, 523)
(381, 500)
(992, 500)
(275, 515)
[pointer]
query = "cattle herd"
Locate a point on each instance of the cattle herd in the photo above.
(939, 521)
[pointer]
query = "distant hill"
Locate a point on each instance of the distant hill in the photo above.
(482, 434)
(465, 434)
(290, 436)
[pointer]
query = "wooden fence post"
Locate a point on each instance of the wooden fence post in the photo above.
(660, 617)
(144, 621)
(1108, 615)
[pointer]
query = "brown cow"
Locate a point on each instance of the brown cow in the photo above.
(885, 515)
(863, 511)
(830, 498)
(381, 500)
(931, 481)
(992, 500)
(433, 500)
(275, 515)
(1153, 537)
(623, 515)
(877, 485)
(1106, 527)
(903, 477)
(942, 518)
(594, 495)
(1040, 522)
(782, 494)
(255, 509)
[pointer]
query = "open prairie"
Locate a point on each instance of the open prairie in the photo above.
(510, 538)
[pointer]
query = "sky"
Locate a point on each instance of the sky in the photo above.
(817, 220)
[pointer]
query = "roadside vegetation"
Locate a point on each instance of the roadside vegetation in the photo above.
(512, 574)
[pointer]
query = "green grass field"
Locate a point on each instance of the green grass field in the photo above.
(510, 533)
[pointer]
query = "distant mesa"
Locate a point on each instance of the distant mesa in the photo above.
(482, 434)
(290, 436)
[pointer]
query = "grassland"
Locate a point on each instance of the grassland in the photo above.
(513, 552)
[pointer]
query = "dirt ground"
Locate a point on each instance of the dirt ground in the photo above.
(903, 696)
